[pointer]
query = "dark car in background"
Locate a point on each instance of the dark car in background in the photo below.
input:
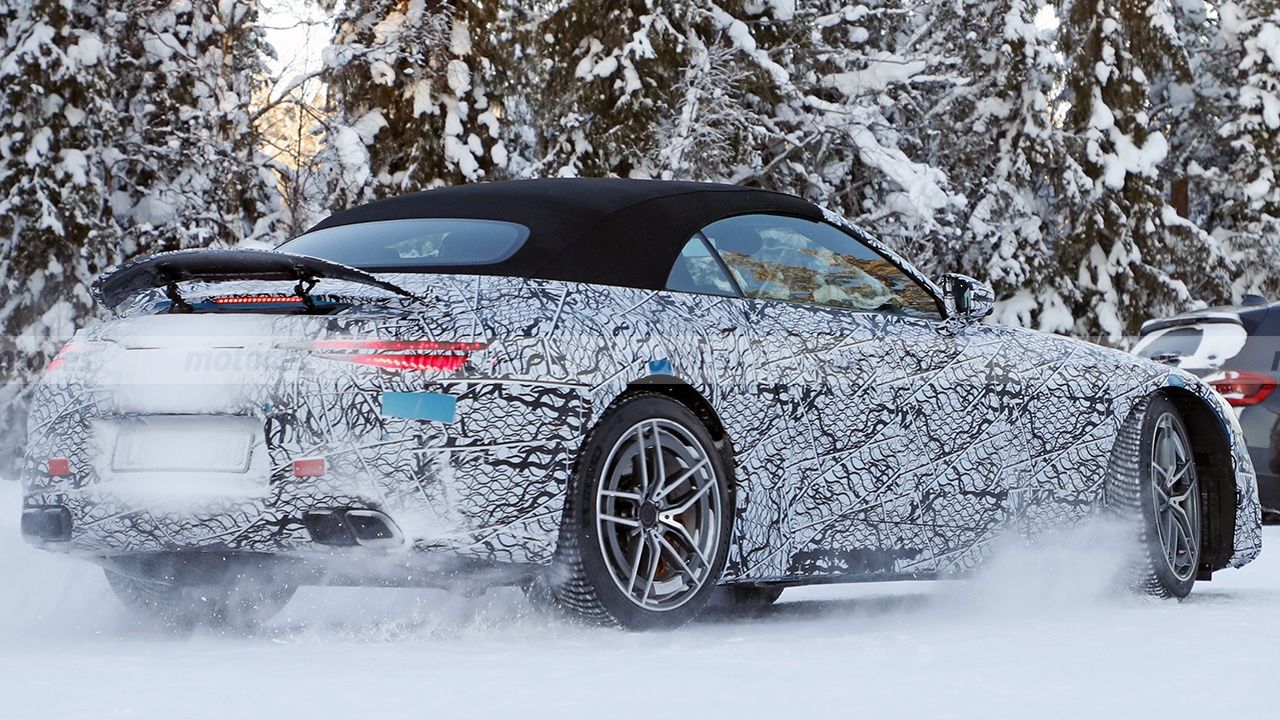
(1236, 349)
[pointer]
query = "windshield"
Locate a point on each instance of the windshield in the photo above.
(412, 245)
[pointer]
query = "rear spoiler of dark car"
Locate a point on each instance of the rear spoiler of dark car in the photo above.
(166, 270)
(1207, 318)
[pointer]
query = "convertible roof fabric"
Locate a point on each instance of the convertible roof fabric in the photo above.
(604, 231)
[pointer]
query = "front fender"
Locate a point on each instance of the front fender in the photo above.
(1247, 535)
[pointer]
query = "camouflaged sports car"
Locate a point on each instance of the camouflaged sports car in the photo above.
(625, 395)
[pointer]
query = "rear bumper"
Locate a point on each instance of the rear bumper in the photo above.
(345, 547)
(1261, 427)
(489, 486)
(1269, 492)
(88, 524)
(57, 527)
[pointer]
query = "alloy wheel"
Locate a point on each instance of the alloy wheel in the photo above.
(658, 514)
(1176, 495)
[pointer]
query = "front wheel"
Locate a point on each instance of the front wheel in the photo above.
(1153, 479)
(647, 518)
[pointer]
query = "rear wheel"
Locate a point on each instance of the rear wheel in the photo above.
(1153, 478)
(243, 603)
(647, 519)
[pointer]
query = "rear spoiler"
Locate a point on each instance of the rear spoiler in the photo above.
(1201, 318)
(166, 270)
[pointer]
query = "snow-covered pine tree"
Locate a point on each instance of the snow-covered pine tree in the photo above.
(866, 89)
(416, 93)
(993, 133)
(1248, 218)
(56, 113)
(124, 128)
(186, 168)
(808, 98)
(1195, 105)
(1131, 254)
(1189, 104)
(659, 88)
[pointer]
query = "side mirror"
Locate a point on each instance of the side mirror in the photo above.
(967, 298)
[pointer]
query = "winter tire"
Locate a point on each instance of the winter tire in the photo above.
(647, 518)
(1153, 479)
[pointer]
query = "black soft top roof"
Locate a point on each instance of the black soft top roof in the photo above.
(604, 231)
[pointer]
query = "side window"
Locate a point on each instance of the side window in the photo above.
(805, 261)
(698, 271)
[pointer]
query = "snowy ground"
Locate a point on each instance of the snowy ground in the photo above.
(1036, 637)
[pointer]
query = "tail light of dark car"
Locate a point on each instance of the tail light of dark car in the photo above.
(1242, 389)
(396, 354)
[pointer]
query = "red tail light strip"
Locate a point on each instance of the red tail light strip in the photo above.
(397, 345)
(405, 362)
(1242, 389)
(397, 354)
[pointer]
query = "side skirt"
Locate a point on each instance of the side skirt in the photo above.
(837, 579)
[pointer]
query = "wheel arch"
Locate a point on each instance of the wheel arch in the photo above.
(689, 396)
(683, 393)
(571, 588)
(1211, 448)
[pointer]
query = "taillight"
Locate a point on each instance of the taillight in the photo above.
(405, 362)
(308, 467)
(397, 354)
(61, 358)
(1242, 389)
(257, 300)
(398, 345)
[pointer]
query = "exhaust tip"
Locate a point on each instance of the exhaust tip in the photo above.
(47, 524)
(342, 527)
(372, 527)
(327, 527)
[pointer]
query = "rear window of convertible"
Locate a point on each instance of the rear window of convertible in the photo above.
(418, 244)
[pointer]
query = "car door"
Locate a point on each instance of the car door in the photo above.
(968, 420)
(839, 456)
(730, 343)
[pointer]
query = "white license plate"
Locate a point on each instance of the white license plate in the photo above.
(191, 444)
